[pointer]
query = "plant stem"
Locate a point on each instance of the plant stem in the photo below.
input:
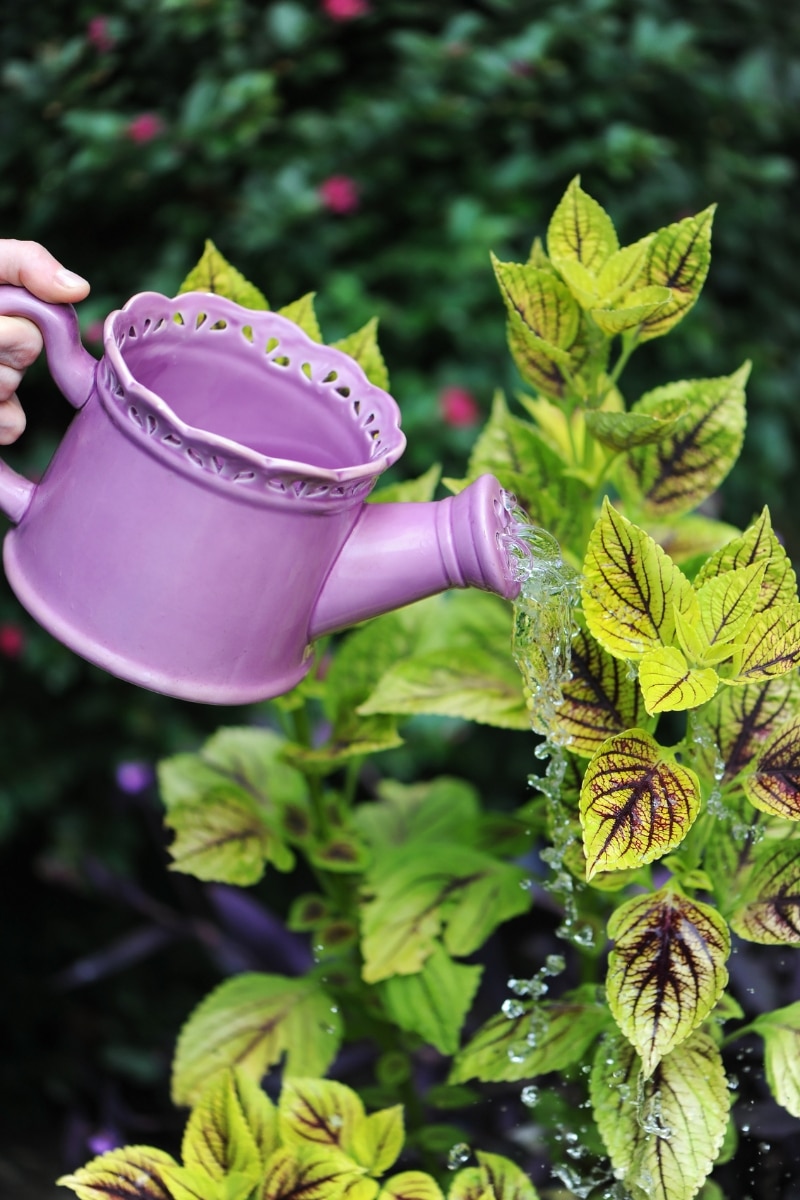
(316, 793)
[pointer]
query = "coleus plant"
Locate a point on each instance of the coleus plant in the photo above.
(668, 813)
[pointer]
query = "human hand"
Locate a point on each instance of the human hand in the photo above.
(28, 265)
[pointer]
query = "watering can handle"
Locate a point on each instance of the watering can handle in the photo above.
(73, 368)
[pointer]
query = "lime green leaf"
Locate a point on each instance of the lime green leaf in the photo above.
(528, 466)
(679, 258)
(495, 1178)
(319, 1112)
(259, 1112)
(636, 803)
(418, 490)
(669, 684)
(580, 230)
(662, 1134)
(622, 430)
(769, 909)
(412, 893)
(214, 273)
(378, 1139)
(739, 721)
(302, 313)
(772, 783)
(251, 1021)
(307, 1172)
(544, 306)
(534, 1039)
(666, 971)
(771, 646)
(622, 270)
(478, 685)
(726, 602)
(599, 700)
(434, 1002)
(438, 810)
(237, 787)
(692, 536)
(758, 544)
(363, 347)
(217, 1139)
(135, 1172)
(225, 839)
(780, 1030)
(411, 1185)
(631, 588)
(580, 281)
(684, 467)
(638, 308)
(190, 1183)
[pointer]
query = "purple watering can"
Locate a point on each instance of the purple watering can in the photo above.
(204, 518)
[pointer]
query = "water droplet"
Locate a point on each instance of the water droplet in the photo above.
(554, 964)
(513, 1009)
(529, 1095)
(459, 1155)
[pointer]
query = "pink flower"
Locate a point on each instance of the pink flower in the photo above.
(12, 640)
(458, 407)
(144, 128)
(345, 10)
(99, 35)
(339, 194)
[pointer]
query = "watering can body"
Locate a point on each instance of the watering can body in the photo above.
(204, 517)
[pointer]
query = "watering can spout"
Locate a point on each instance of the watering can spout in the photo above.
(399, 553)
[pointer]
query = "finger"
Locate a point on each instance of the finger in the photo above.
(20, 342)
(29, 265)
(12, 420)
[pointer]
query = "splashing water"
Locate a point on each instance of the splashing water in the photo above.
(543, 616)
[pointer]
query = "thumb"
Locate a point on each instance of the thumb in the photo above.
(29, 265)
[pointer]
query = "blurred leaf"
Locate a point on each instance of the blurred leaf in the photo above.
(412, 894)
(435, 1001)
(638, 308)
(378, 1139)
(416, 490)
(252, 1021)
(539, 1038)
(780, 1030)
(768, 910)
(495, 1178)
(302, 313)
(363, 347)
(772, 782)
(580, 230)
(684, 467)
(309, 1173)
(411, 1185)
(666, 971)
(679, 258)
(214, 273)
(133, 1171)
(225, 838)
(218, 1140)
(319, 1112)
(637, 803)
(438, 810)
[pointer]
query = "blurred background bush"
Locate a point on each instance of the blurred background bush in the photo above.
(373, 151)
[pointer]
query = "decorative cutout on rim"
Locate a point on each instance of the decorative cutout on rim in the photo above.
(282, 351)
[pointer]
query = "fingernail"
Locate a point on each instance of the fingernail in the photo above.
(68, 279)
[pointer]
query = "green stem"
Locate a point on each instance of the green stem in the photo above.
(351, 779)
(628, 347)
(316, 793)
